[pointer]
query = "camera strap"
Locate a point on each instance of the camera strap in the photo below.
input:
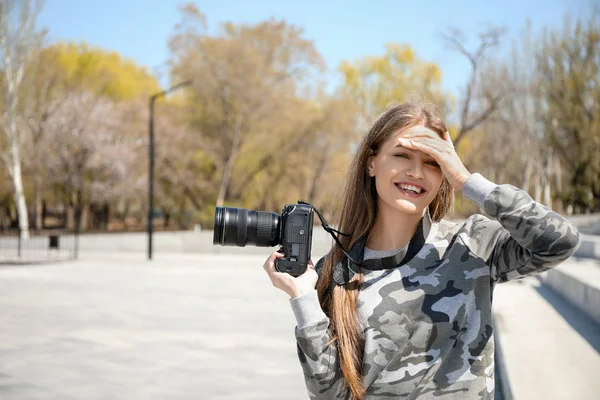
(348, 267)
(331, 231)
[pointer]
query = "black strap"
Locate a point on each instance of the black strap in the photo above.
(344, 271)
(330, 230)
(349, 264)
(397, 260)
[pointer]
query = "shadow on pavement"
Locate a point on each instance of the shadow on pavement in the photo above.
(584, 325)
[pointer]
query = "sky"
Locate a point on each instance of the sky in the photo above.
(341, 30)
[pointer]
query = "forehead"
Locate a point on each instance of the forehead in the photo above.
(393, 141)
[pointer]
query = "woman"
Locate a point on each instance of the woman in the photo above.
(404, 309)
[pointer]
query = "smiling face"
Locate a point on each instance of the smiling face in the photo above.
(406, 180)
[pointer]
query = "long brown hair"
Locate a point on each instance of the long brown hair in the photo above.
(357, 216)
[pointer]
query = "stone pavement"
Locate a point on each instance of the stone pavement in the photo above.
(118, 327)
(191, 326)
(551, 350)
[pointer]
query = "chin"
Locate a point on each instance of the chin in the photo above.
(408, 207)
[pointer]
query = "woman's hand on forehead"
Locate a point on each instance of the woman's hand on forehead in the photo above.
(441, 149)
(422, 131)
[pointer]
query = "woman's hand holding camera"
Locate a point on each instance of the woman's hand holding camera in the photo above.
(293, 286)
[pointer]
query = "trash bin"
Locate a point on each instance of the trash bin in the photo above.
(54, 244)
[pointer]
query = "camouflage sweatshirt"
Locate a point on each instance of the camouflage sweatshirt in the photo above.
(427, 324)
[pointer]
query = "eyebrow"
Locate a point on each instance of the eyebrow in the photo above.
(427, 156)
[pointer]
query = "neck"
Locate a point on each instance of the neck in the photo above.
(392, 229)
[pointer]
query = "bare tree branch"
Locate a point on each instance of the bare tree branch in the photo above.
(487, 40)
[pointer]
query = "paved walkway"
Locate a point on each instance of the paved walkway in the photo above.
(551, 350)
(113, 326)
(196, 327)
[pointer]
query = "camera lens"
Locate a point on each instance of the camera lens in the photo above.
(240, 226)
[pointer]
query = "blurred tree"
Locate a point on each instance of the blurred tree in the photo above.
(19, 39)
(478, 95)
(41, 96)
(77, 109)
(512, 131)
(568, 63)
(247, 85)
(376, 82)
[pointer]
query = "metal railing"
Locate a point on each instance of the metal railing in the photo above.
(41, 246)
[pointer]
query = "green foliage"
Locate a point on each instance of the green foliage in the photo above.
(568, 62)
(103, 72)
(256, 129)
(377, 81)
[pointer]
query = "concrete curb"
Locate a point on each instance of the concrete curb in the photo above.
(590, 247)
(578, 284)
(504, 389)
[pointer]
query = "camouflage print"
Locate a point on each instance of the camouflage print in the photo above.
(428, 323)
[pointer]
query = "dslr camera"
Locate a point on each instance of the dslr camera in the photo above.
(292, 231)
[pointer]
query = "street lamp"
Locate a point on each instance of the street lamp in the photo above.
(151, 160)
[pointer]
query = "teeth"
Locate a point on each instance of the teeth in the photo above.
(411, 187)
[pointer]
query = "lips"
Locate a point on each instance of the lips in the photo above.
(410, 189)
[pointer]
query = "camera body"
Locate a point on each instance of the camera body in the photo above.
(296, 238)
(292, 231)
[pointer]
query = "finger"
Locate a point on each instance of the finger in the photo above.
(419, 130)
(447, 137)
(435, 143)
(269, 265)
(275, 255)
(421, 135)
(422, 132)
(423, 145)
(430, 149)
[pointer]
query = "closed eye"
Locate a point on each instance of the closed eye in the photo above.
(435, 164)
(402, 155)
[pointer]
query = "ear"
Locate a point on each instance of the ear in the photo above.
(371, 166)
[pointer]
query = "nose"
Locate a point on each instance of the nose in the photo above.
(415, 170)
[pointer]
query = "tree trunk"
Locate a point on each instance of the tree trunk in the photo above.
(225, 181)
(527, 175)
(182, 215)
(44, 213)
(39, 211)
(79, 201)
(105, 216)
(547, 194)
(125, 215)
(492, 174)
(167, 218)
(548, 180)
(558, 177)
(18, 36)
(12, 219)
(18, 184)
(70, 216)
(320, 167)
(85, 218)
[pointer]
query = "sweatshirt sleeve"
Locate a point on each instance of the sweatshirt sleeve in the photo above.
(523, 237)
(318, 356)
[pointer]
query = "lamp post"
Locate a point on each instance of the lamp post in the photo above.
(151, 160)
